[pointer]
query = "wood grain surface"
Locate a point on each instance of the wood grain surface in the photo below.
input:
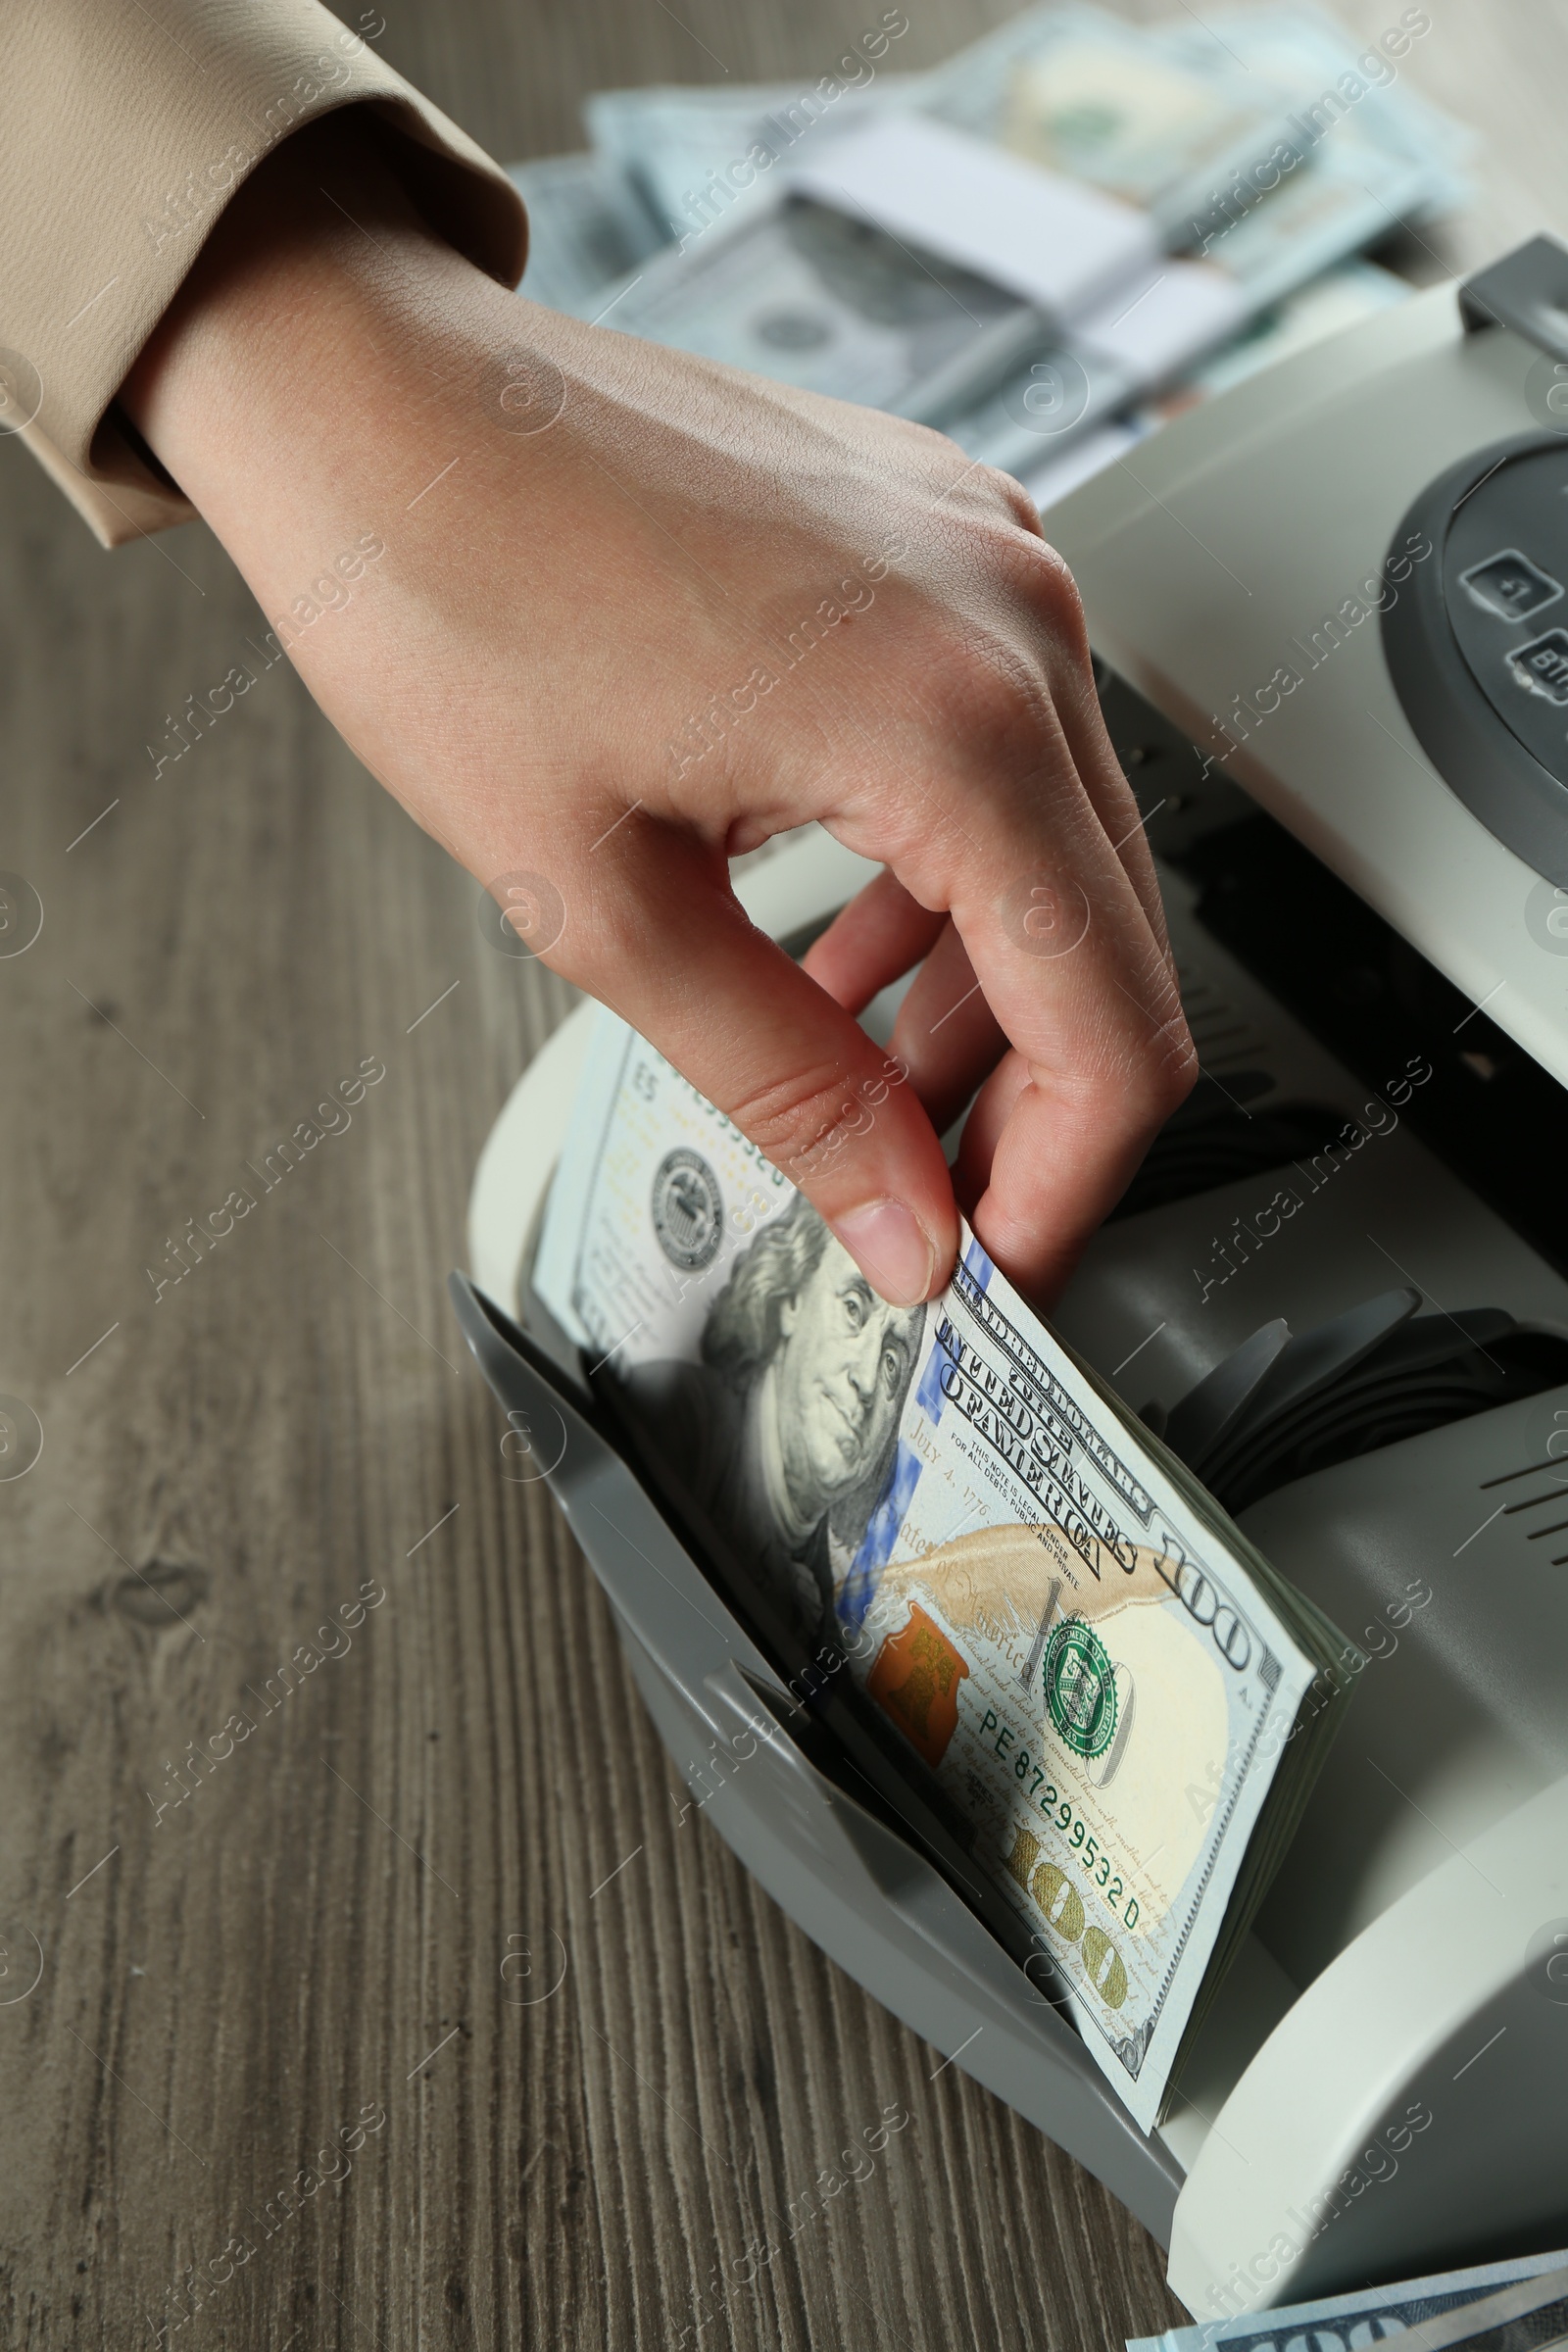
(433, 1925)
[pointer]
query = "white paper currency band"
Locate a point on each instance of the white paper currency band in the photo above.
(1060, 245)
(1180, 312)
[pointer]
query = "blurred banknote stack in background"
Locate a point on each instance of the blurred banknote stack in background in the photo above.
(1043, 247)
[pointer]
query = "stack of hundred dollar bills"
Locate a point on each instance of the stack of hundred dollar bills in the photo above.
(1043, 247)
(1069, 1649)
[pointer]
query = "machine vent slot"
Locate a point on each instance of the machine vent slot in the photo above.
(1548, 1485)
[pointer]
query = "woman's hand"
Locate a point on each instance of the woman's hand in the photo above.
(637, 614)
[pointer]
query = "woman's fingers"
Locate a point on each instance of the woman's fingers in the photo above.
(1060, 1126)
(945, 1033)
(764, 1041)
(1022, 1122)
(1054, 941)
(1107, 1061)
(1066, 657)
(983, 1129)
(1048, 987)
(872, 942)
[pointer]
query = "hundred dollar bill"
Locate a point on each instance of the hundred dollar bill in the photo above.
(689, 156)
(1048, 1618)
(799, 292)
(1071, 88)
(584, 233)
(1080, 91)
(1180, 118)
(1290, 176)
(1341, 176)
(1495, 2307)
(1331, 87)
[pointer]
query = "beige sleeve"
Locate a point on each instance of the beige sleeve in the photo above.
(125, 125)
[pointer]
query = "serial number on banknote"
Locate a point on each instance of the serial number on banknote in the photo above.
(1057, 1809)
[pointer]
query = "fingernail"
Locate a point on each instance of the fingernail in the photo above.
(890, 1244)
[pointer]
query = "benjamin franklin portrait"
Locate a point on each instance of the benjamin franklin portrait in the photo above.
(785, 1432)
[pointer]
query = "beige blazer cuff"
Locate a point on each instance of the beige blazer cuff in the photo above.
(123, 132)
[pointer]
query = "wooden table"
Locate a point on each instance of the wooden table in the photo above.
(419, 2016)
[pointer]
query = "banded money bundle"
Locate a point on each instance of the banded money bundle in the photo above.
(1041, 246)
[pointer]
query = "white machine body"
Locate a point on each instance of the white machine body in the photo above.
(1382, 2089)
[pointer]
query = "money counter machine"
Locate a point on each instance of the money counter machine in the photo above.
(1331, 610)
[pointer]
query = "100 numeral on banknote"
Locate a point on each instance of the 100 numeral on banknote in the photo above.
(1050, 1641)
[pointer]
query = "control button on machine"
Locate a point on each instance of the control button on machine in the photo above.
(1510, 585)
(1542, 666)
(1473, 655)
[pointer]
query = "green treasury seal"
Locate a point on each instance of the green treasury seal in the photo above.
(1081, 1688)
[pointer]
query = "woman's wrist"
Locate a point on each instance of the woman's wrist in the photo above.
(321, 301)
